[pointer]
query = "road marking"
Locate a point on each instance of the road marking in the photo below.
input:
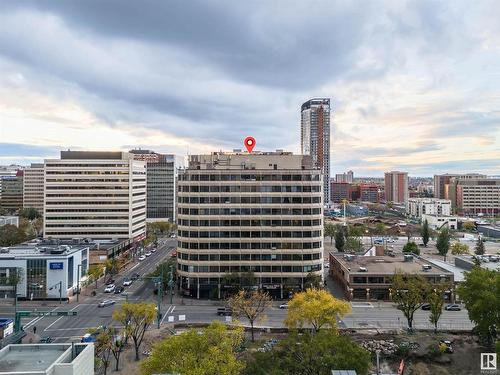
(134, 267)
(172, 309)
(74, 307)
(362, 304)
(78, 328)
(37, 319)
(51, 324)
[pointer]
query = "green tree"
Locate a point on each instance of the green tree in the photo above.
(443, 242)
(29, 213)
(436, 302)
(480, 292)
(11, 235)
(411, 247)
(339, 239)
(316, 308)
(103, 345)
(313, 280)
(330, 231)
(355, 230)
(210, 351)
(118, 345)
(380, 229)
(136, 317)
(479, 249)
(353, 244)
(458, 248)
(250, 304)
(409, 293)
(425, 232)
(164, 269)
(94, 273)
(112, 266)
(310, 354)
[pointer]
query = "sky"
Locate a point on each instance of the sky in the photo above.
(414, 85)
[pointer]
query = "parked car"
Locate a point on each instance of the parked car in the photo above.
(153, 250)
(119, 289)
(135, 276)
(426, 306)
(106, 302)
(284, 306)
(110, 288)
(452, 307)
(148, 254)
(224, 311)
(127, 282)
(46, 339)
(142, 257)
(110, 281)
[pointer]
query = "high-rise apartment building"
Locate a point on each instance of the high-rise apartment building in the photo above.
(472, 196)
(11, 197)
(240, 214)
(340, 191)
(315, 137)
(347, 177)
(442, 183)
(160, 184)
(33, 187)
(396, 187)
(369, 193)
(94, 194)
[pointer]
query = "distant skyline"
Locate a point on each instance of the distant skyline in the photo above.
(414, 85)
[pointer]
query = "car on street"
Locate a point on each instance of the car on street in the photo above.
(110, 281)
(148, 254)
(109, 288)
(224, 311)
(142, 257)
(426, 306)
(46, 339)
(119, 289)
(452, 307)
(284, 306)
(135, 276)
(127, 282)
(106, 302)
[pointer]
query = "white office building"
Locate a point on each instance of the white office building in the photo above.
(98, 195)
(258, 214)
(33, 187)
(416, 207)
(47, 270)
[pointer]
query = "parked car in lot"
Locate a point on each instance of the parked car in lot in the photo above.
(119, 289)
(46, 339)
(106, 302)
(284, 306)
(110, 288)
(148, 254)
(135, 276)
(426, 306)
(224, 311)
(142, 257)
(127, 282)
(452, 307)
(153, 250)
(110, 281)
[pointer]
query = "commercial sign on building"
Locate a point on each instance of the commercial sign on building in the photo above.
(56, 266)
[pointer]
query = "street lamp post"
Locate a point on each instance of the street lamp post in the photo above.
(171, 282)
(78, 282)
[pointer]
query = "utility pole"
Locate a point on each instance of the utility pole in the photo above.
(171, 282)
(79, 270)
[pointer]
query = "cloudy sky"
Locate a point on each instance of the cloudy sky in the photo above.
(414, 85)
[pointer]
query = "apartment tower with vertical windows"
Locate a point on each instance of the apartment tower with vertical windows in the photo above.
(258, 214)
(315, 137)
(33, 187)
(396, 187)
(95, 194)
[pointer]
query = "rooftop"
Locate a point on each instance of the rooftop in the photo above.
(386, 265)
(37, 358)
(45, 247)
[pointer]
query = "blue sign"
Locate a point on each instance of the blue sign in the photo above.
(56, 266)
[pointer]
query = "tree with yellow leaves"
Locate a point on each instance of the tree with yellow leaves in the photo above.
(316, 308)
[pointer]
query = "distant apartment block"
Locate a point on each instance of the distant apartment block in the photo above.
(33, 185)
(160, 184)
(340, 191)
(442, 183)
(345, 177)
(240, 214)
(369, 193)
(472, 196)
(94, 194)
(396, 187)
(11, 196)
(315, 137)
(416, 207)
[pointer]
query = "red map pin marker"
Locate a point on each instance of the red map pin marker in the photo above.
(249, 143)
